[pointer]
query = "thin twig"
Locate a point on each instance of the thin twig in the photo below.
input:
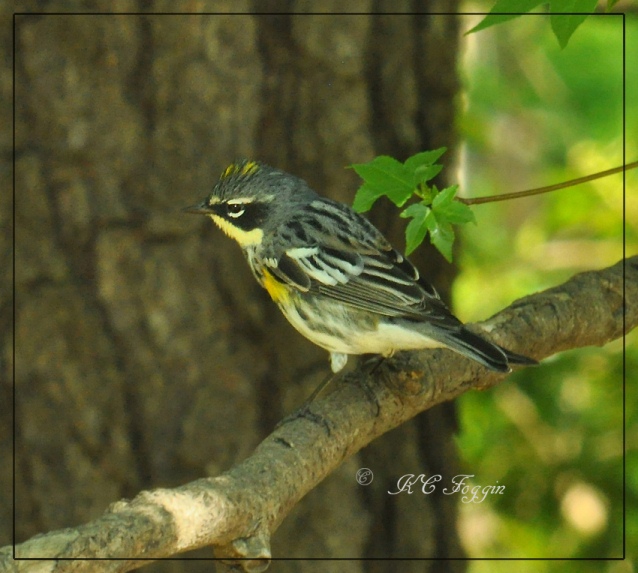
(539, 190)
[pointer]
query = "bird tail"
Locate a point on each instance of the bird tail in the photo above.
(483, 351)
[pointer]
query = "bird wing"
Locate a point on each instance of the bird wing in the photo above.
(331, 250)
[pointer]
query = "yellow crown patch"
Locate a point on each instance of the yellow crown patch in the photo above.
(247, 168)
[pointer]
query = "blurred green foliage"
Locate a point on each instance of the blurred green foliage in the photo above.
(534, 115)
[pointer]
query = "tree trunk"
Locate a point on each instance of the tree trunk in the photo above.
(146, 354)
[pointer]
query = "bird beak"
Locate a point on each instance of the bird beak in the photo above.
(201, 209)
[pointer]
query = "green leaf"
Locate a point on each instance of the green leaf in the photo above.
(365, 197)
(384, 176)
(423, 159)
(423, 168)
(504, 10)
(611, 4)
(417, 228)
(424, 173)
(441, 234)
(452, 211)
(565, 24)
(567, 15)
(415, 210)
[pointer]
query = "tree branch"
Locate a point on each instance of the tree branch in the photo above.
(238, 511)
(548, 188)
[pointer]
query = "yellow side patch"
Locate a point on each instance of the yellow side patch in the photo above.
(247, 168)
(244, 238)
(277, 291)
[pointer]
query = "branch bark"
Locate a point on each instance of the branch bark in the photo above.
(238, 511)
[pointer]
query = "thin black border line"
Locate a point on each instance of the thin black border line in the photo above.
(13, 397)
(151, 559)
(512, 14)
(624, 314)
(239, 559)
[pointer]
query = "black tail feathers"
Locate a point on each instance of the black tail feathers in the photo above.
(483, 351)
(513, 358)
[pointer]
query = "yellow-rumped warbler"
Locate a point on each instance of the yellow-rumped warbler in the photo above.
(335, 277)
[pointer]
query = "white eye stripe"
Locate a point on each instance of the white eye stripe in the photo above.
(240, 201)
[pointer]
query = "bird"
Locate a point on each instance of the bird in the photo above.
(332, 273)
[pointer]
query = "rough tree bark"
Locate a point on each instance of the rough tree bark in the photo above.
(146, 354)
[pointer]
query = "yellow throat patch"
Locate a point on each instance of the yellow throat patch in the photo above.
(244, 238)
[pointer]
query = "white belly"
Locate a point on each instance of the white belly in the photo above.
(338, 335)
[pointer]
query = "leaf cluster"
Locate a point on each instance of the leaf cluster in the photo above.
(435, 211)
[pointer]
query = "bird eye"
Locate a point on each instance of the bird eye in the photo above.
(235, 209)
